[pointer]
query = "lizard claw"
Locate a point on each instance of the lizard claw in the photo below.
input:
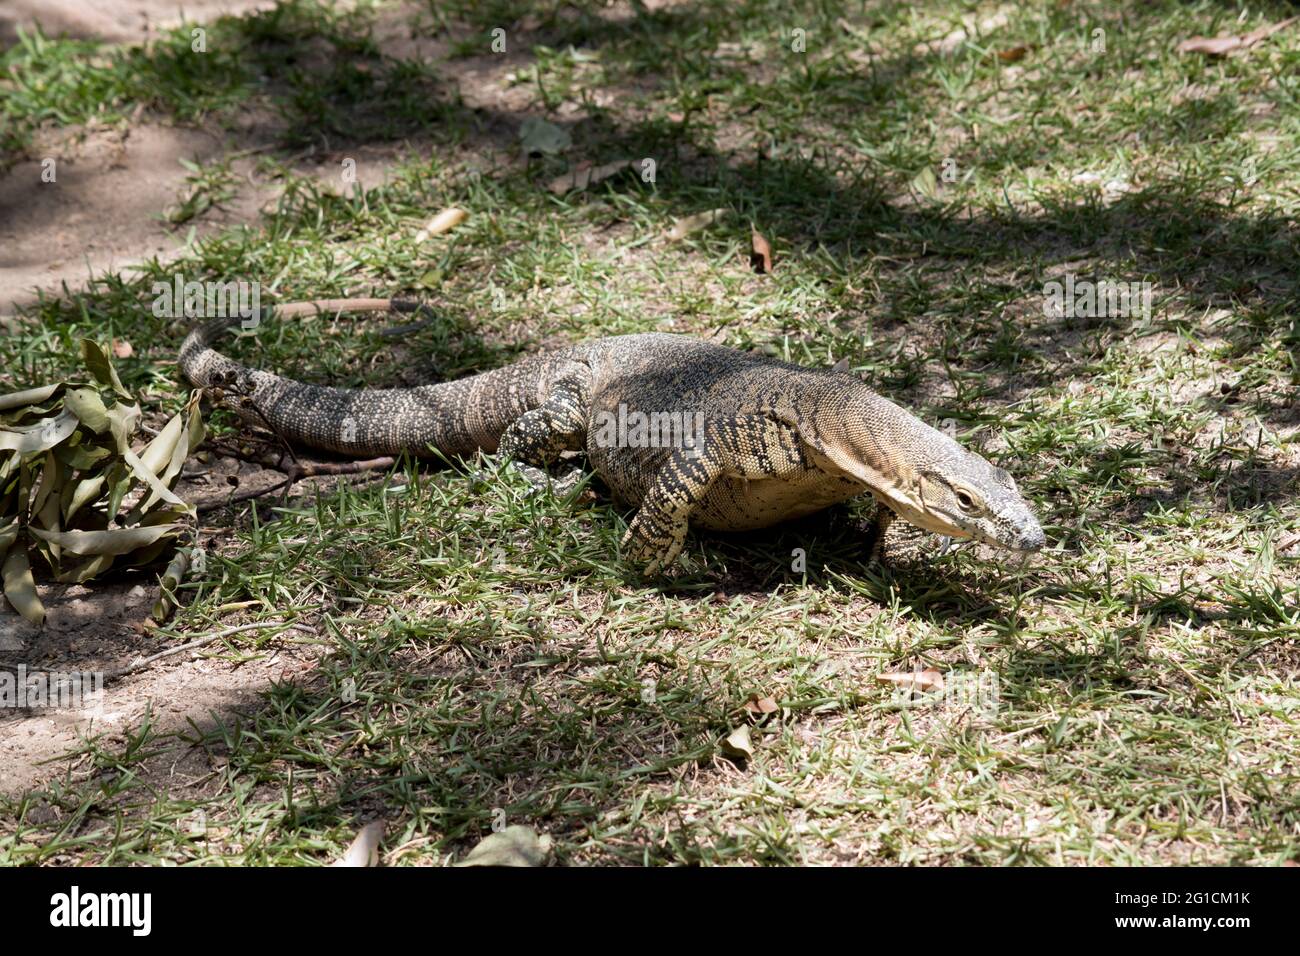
(564, 486)
(652, 543)
(541, 482)
(538, 481)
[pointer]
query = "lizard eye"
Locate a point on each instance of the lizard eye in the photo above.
(966, 502)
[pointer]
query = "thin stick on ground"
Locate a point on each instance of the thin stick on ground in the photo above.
(300, 470)
(143, 662)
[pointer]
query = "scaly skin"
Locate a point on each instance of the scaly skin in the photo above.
(760, 442)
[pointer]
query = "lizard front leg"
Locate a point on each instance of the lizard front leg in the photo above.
(884, 517)
(749, 446)
(536, 438)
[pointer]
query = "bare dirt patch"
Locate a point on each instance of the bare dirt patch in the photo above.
(113, 21)
(103, 210)
(91, 630)
(106, 627)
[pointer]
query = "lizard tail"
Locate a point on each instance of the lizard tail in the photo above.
(453, 418)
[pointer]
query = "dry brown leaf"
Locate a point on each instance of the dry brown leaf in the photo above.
(584, 174)
(1013, 55)
(445, 221)
(1222, 46)
(122, 348)
(761, 256)
(929, 679)
(1213, 46)
(761, 705)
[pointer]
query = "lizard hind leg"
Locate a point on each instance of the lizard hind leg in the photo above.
(535, 439)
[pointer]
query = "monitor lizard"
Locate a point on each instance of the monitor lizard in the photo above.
(743, 441)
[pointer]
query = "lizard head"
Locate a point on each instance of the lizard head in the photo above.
(965, 496)
(936, 484)
(919, 472)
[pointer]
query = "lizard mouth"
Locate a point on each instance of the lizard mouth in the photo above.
(1024, 543)
(1029, 542)
(930, 521)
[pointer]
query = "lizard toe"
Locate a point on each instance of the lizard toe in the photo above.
(652, 544)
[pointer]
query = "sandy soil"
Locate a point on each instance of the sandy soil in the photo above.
(115, 21)
(102, 211)
(106, 626)
(90, 630)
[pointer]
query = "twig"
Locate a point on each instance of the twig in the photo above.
(143, 662)
(398, 331)
(299, 470)
(244, 495)
(313, 469)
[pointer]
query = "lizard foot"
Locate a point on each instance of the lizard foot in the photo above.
(876, 535)
(541, 481)
(653, 542)
(564, 485)
(537, 478)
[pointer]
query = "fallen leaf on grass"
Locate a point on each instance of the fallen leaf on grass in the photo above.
(929, 679)
(513, 846)
(926, 183)
(761, 256)
(761, 705)
(584, 174)
(1013, 54)
(171, 580)
(364, 849)
(969, 29)
(684, 227)
(445, 221)
(1222, 46)
(738, 744)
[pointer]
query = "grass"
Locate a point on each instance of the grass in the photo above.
(483, 650)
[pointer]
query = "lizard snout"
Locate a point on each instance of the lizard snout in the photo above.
(1031, 538)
